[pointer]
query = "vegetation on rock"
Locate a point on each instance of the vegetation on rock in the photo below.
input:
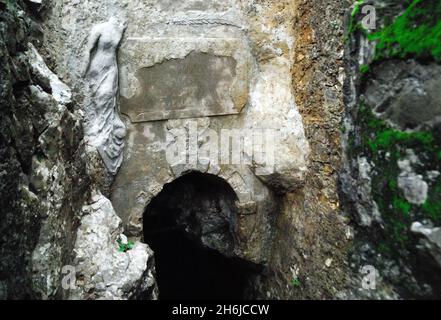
(385, 146)
(124, 247)
(415, 33)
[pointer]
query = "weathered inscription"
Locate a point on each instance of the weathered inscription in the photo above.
(198, 85)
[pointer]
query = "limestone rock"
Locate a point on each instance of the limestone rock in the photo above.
(60, 91)
(43, 177)
(413, 186)
(218, 64)
(104, 272)
(366, 207)
(430, 240)
(406, 93)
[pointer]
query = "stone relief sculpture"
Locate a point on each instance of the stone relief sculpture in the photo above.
(103, 126)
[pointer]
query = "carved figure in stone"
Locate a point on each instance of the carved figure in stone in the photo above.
(103, 126)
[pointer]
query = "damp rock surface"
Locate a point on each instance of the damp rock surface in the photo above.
(43, 173)
(392, 122)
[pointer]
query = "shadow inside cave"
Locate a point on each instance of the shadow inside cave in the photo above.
(190, 225)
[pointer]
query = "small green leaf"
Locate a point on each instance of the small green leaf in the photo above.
(296, 282)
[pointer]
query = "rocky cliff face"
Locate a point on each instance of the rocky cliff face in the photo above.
(44, 178)
(392, 144)
(47, 177)
(312, 239)
(94, 94)
(255, 66)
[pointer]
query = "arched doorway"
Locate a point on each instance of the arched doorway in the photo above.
(191, 225)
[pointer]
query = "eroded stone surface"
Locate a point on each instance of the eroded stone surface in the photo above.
(103, 126)
(295, 241)
(43, 173)
(259, 37)
(102, 270)
(413, 185)
(430, 240)
(408, 98)
(197, 85)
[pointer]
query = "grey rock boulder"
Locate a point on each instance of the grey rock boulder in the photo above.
(430, 240)
(103, 271)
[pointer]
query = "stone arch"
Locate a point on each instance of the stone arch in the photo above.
(243, 185)
(256, 204)
(192, 225)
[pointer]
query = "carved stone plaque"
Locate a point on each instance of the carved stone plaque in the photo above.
(201, 84)
(173, 71)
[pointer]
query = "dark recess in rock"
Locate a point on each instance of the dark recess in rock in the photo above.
(190, 226)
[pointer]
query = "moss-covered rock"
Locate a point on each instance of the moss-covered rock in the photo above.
(392, 126)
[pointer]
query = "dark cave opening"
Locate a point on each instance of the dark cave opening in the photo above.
(190, 225)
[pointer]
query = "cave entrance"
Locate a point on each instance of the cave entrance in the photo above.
(191, 225)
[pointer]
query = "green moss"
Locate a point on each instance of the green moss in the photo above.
(364, 68)
(385, 138)
(415, 33)
(296, 282)
(393, 185)
(384, 146)
(432, 207)
(401, 205)
(354, 25)
(388, 138)
(357, 8)
(124, 247)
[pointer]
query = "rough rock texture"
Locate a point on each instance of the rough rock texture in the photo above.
(43, 178)
(161, 92)
(103, 271)
(279, 64)
(408, 98)
(392, 141)
(47, 176)
(430, 242)
(311, 240)
(246, 71)
(412, 185)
